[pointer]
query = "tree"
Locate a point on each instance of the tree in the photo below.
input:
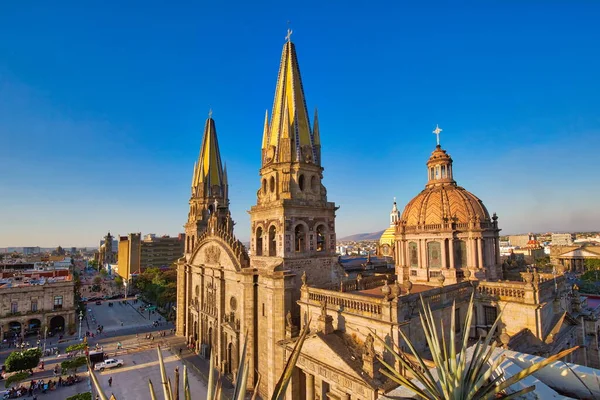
(15, 378)
(97, 280)
(73, 365)
(81, 396)
(103, 273)
(592, 264)
(23, 360)
(76, 347)
(118, 281)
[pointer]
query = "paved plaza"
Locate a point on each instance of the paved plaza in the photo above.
(131, 380)
(119, 317)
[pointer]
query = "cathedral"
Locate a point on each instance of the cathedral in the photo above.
(444, 244)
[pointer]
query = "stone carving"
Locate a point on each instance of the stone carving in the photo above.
(288, 319)
(407, 286)
(307, 154)
(303, 279)
(370, 346)
(324, 308)
(212, 255)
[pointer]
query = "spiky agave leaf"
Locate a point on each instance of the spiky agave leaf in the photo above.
(151, 388)
(163, 375)
(458, 378)
(97, 386)
(211, 392)
(186, 384)
(256, 386)
(284, 379)
(242, 375)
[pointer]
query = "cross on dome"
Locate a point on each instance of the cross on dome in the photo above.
(437, 132)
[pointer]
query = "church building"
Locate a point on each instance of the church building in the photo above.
(445, 245)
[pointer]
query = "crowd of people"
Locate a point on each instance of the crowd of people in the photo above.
(40, 386)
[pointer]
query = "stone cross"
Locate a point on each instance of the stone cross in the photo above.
(288, 37)
(437, 132)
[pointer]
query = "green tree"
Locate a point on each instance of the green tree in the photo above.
(81, 396)
(15, 378)
(73, 365)
(118, 281)
(76, 347)
(103, 273)
(23, 360)
(592, 264)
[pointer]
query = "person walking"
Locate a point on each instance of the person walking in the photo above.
(110, 382)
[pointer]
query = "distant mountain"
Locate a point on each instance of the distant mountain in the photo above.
(361, 236)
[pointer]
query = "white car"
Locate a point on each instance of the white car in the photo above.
(109, 363)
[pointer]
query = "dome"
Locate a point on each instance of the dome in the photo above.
(439, 202)
(443, 200)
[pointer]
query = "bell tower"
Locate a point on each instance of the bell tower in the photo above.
(292, 223)
(209, 187)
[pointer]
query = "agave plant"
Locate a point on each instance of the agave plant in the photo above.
(458, 377)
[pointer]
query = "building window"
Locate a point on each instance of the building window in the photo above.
(34, 305)
(457, 323)
(301, 182)
(490, 315)
(272, 184)
(264, 185)
(413, 253)
(14, 307)
(434, 259)
(313, 183)
(58, 302)
(413, 273)
(299, 238)
(320, 238)
(272, 241)
(460, 254)
(263, 309)
(259, 241)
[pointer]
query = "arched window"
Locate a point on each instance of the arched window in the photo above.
(264, 185)
(431, 173)
(443, 171)
(193, 242)
(188, 244)
(210, 209)
(321, 238)
(272, 241)
(299, 238)
(313, 183)
(301, 182)
(259, 241)
(272, 184)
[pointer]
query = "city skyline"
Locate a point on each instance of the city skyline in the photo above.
(101, 128)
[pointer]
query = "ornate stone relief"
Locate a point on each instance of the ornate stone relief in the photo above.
(212, 255)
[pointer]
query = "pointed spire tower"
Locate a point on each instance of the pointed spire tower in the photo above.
(209, 186)
(292, 223)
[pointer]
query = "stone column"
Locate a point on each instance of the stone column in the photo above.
(310, 386)
(472, 253)
(451, 251)
(480, 252)
(444, 255)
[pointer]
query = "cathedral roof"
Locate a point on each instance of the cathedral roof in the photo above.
(208, 170)
(289, 137)
(442, 199)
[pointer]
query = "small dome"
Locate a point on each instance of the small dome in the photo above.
(436, 203)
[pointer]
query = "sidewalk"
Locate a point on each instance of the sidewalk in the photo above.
(196, 364)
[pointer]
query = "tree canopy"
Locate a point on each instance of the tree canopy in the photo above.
(16, 378)
(592, 264)
(23, 360)
(158, 286)
(73, 365)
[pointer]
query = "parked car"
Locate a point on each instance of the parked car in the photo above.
(110, 363)
(98, 302)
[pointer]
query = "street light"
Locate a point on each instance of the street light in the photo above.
(125, 283)
(45, 335)
(80, 319)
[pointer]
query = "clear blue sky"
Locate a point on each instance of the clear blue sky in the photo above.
(102, 107)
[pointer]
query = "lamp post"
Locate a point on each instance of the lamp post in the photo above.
(125, 283)
(80, 319)
(45, 335)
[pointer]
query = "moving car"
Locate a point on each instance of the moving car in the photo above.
(110, 363)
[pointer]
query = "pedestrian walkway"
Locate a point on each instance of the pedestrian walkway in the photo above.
(196, 364)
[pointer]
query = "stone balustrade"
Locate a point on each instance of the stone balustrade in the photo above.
(447, 226)
(512, 291)
(345, 301)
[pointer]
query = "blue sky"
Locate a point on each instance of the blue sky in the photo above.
(102, 107)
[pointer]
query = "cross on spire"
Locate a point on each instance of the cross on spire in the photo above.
(288, 37)
(210, 112)
(437, 132)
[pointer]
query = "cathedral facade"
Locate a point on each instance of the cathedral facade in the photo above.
(445, 246)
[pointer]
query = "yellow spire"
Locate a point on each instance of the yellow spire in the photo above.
(209, 169)
(316, 134)
(266, 131)
(289, 118)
